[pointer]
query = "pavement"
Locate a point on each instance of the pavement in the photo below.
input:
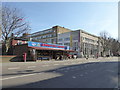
(73, 73)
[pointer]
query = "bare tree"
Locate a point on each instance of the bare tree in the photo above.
(13, 22)
(104, 40)
(115, 48)
(108, 43)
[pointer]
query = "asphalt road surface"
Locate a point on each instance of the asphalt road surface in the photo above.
(80, 73)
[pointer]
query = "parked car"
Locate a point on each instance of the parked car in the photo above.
(69, 56)
(74, 56)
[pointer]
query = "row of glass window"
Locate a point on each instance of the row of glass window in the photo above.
(65, 39)
(86, 45)
(45, 36)
(45, 40)
(89, 40)
(42, 32)
(67, 44)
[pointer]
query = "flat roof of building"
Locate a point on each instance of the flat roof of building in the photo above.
(88, 33)
(50, 28)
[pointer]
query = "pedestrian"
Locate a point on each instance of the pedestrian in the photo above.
(96, 55)
(86, 56)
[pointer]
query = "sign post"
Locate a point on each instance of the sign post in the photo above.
(24, 56)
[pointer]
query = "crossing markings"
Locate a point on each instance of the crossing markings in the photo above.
(13, 68)
(20, 76)
(31, 66)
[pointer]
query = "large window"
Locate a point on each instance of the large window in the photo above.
(54, 34)
(60, 43)
(89, 40)
(60, 39)
(49, 35)
(44, 36)
(76, 44)
(66, 39)
(67, 44)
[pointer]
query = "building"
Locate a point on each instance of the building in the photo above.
(15, 41)
(64, 38)
(40, 51)
(89, 44)
(48, 35)
(71, 39)
(37, 50)
(82, 42)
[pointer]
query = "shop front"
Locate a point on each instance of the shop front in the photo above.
(49, 51)
(42, 51)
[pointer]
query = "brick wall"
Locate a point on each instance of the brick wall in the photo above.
(61, 29)
(20, 49)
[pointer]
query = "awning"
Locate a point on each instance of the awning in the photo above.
(41, 48)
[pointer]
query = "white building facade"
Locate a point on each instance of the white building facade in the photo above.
(64, 39)
(82, 42)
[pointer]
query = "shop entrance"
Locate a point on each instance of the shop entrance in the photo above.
(44, 54)
(50, 54)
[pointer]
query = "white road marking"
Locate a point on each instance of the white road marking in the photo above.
(56, 64)
(73, 77)
(16, 76)
(20, 76)
(14, 68)
(31, 66)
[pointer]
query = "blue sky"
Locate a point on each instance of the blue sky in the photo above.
(93, 17)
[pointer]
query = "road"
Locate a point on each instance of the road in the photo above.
(80, 73)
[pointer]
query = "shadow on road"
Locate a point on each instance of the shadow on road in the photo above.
(88, 75)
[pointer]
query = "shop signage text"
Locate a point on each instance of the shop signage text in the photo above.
(45, 45)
